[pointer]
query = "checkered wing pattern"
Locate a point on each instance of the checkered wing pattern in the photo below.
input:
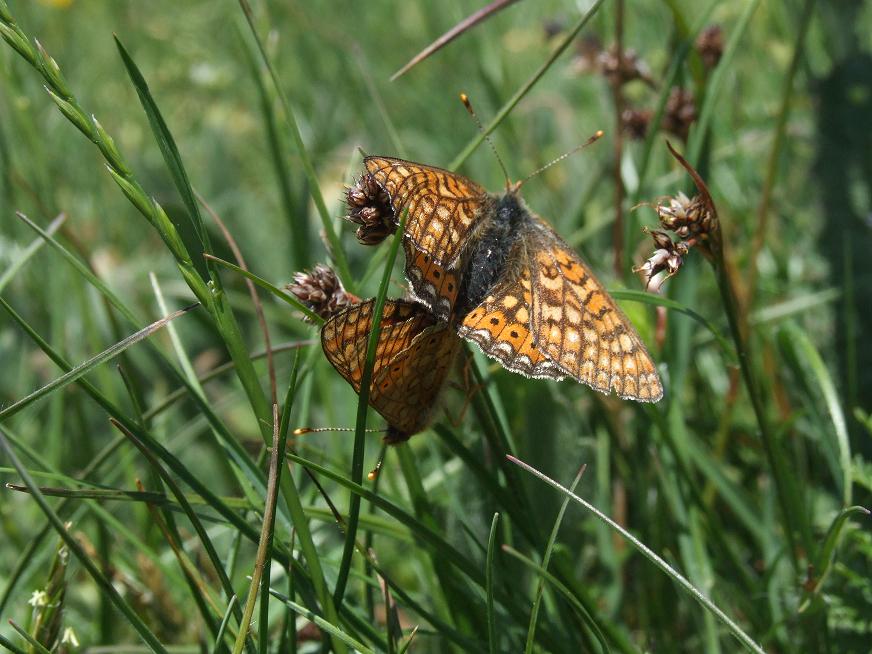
(413, 359)
(443, 206)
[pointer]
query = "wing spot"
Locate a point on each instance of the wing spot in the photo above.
(495, 321)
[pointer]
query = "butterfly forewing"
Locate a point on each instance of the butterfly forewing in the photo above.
(443, 206)
(578, 325)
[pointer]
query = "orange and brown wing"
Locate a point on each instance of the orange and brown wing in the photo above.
(344, 336)
(431, 284)
(500, 325)
(406, 390)
(413, 359)
(443, 206)
(578, 325)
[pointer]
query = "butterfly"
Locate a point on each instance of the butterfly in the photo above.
(413, 358)
(501, 274)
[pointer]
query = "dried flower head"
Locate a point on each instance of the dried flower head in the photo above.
(626, 68)
(552, 27)
(693, 220)
(369, 206)
(587, 52)
(635, 122)
(668, 257)
(321, 291)
(687, 217)
(680, 112)
(710, 45)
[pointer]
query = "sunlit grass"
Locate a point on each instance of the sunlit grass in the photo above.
(744, 487)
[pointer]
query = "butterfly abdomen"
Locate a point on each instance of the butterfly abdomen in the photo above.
(486, 259)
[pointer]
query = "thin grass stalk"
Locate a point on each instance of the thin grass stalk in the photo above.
(362, 409)
(225, 621)
(281, 430)
(794, 517)
(493, 645)
(779, 132)
(102, 582)
(336, 251)
(87, 366)
(29, 251)
(35, 645)
(296, 220)
(338, 635)
(546, 559)
(519, 95)
(575, 602)
(252, 291)
(618, 239)
(463, 26)
(266, 534)
(652, 556)
(12, 647)
(700, 129)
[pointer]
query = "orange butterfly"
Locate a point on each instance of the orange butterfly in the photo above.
(414, 355)
(508, 281)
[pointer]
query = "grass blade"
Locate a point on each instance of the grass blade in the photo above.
(167, 145)
(87, 366)
(489, 587)
(362, 409)
(102, 582)
(652, 556)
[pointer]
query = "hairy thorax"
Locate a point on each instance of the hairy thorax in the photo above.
(486, 259)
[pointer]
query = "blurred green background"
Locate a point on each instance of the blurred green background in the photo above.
(786, 143)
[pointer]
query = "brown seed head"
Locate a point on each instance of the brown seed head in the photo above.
(710, 45)
(627, 68)
(321, 291)
(636, 121)
(680, 112)
(369, 206)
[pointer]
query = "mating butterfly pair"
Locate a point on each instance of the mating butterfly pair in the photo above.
(495, 273)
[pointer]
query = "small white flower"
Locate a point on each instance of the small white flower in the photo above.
(69, 637)
(38, 598)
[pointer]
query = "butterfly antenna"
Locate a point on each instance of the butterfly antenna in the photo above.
(373, 474)
(563, 156)
(299, 431)
(466, 103)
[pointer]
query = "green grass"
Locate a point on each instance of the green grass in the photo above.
(727, 517)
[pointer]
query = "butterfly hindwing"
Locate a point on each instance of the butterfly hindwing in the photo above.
(500, 324)
(413, 359)
(431, 284)
(443, 206)
(578, 326)
(344, 336)
(405, 391)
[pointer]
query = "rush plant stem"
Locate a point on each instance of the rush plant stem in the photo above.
(770, 445)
